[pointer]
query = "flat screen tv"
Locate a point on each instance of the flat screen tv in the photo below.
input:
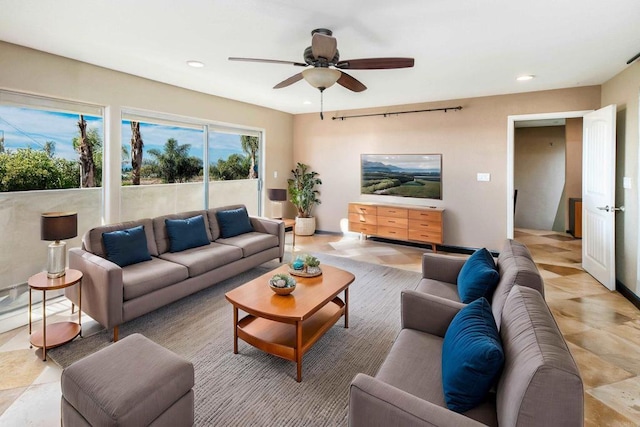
(404, 175)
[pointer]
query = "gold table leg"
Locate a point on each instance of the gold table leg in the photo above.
(44, 326)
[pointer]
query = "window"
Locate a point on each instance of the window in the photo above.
(47, 145)
(233, 156)
(163, 165)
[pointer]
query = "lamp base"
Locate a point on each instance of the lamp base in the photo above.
(276, 210)
(57, 260)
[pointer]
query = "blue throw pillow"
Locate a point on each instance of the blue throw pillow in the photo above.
(126, 247)
(186, 233)
(234, 222)
(472, 357)
(478, 277)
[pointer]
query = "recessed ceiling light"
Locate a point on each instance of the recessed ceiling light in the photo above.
(525, 77)
(195, 64)
(306, 102)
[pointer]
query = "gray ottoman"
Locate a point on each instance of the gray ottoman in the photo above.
(133, 382)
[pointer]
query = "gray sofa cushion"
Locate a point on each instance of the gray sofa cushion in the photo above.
(540, 383)
(160, 228)
(204, 258)
(92, 239)
(414, 365)
(516, 267)
(148, 276)
(438, 288)
(251, 243)
(130, 383)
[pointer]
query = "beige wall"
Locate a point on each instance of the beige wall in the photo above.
(36, 72)
(624, 90)
(472, 140)
(539, 177)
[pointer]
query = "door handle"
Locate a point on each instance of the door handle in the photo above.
(612, 208)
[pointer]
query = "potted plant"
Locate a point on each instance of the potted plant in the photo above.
(303, 195)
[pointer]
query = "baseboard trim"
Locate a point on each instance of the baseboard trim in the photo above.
(628, 294)
(444, 248)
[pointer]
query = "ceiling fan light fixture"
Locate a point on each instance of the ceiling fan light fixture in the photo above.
(321, 77)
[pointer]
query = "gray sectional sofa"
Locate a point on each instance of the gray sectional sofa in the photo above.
(113, 295)
(515, 266)
(539, 384)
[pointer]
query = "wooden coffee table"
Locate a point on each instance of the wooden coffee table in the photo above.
(288, 326)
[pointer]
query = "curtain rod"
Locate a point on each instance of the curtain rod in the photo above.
(458, 108)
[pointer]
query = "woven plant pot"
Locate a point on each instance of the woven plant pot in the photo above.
(305, 226)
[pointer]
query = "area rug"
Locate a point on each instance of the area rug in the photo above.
(254, 388)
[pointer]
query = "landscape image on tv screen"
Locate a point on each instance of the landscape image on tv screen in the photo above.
(405, 175)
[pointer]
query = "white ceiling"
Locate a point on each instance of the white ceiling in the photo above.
(462, 48)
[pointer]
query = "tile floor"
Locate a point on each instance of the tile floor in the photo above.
(601, 327)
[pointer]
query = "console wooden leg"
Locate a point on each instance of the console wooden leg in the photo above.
(115, 333)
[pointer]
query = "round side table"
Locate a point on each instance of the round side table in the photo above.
(57, 333)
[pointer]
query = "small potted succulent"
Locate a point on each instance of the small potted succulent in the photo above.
(282, 284)
(313, 264)
(305, 265)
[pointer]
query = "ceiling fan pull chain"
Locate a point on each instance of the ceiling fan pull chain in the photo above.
(321, 103)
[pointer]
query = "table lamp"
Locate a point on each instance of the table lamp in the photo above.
(54, 227)
(277, 195)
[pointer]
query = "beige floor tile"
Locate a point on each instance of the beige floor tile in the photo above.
(610, 347)
(7, 397)
(629, 331)
(596, 371)
(598, 414)
(623, 396)
(19, 368)
(568, 324)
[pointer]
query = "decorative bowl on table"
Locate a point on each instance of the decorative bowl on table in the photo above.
(305, 266)
(282, 284)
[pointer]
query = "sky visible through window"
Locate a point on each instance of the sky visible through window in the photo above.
(32, 128)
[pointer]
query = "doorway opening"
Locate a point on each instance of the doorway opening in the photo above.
(521, 121)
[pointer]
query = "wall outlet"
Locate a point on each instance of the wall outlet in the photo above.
(626, 182)
(275, 174)
(484, 177)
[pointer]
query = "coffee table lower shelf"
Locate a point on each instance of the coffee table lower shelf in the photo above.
(281, 339)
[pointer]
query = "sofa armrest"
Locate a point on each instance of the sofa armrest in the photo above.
(102, 291)
(427, 313)
(271, 226)
(375, 403)
(444, 268)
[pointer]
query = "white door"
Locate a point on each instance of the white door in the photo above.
(598, 195)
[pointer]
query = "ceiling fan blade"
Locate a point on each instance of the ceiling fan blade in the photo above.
(375, 63)
(291, 80)
(350, 83)
(270, 61)
(323, 46)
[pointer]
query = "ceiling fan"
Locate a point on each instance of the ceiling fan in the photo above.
(326, 66)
